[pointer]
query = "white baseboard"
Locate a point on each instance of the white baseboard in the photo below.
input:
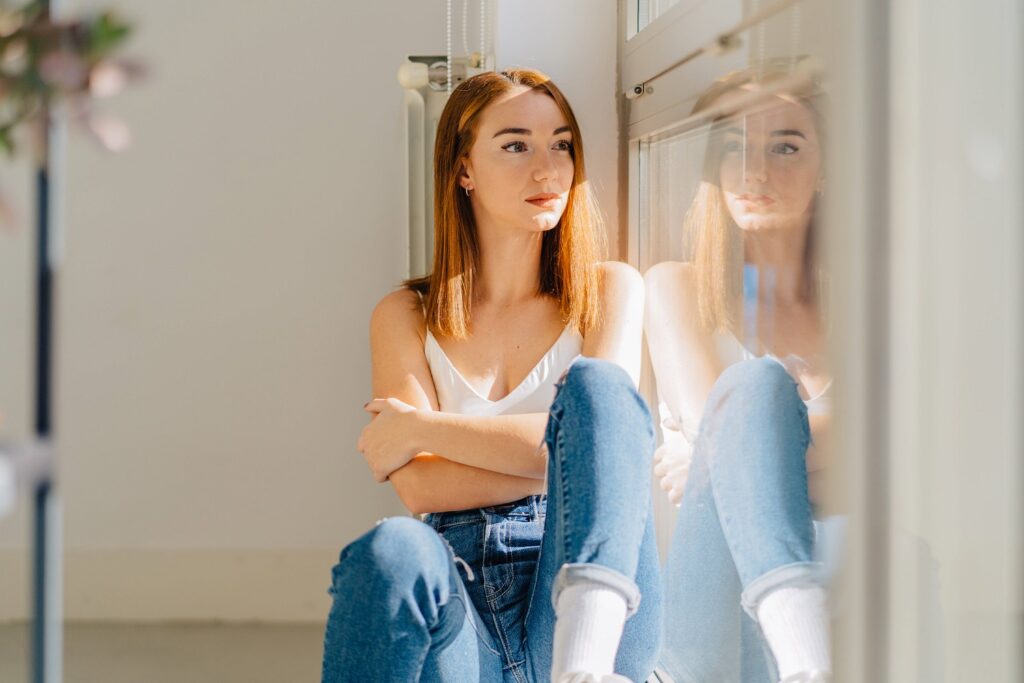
(142, 585)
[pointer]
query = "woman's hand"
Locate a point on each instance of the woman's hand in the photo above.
(387, 443)
(672, 466)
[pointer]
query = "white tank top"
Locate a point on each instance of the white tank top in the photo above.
(533, 395)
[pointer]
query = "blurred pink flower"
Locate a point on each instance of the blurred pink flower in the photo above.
(107, 78)
(9, 218)
(63, 69)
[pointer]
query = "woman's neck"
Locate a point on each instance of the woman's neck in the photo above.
(509, 271)
(782, 252)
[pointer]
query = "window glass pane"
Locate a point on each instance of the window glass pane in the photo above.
(739, 155)
(649, 10)
(729, 217)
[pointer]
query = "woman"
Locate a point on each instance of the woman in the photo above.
(736, 339)
(476, 365)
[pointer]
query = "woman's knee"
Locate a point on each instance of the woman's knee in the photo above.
(587, 372)
(754, 399)
(755, 382)
(604, 387)
(396, 551)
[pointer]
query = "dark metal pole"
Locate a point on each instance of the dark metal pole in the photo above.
(44, 590)
(43, 419)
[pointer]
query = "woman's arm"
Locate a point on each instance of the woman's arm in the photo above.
(686, 364)
(509, 444)
(619, 335)
(818, 452)
(400, 372)
(430, 483)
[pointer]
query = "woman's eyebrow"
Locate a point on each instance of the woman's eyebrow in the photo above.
(788, 131)
(513, 131)
(527, 131)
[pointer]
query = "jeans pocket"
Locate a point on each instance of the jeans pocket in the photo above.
(511, 550)
(495, 567)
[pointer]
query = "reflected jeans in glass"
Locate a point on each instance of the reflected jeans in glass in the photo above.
(745, 527)
(468, 596)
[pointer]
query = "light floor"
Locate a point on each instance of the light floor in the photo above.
(174, 653)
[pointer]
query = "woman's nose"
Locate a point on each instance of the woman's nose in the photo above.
(544, 166)
(755, 166)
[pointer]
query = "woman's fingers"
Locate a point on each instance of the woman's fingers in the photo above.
(672, 472)
(675, 495)
(376, 405)
(670, 461)
(361, 442)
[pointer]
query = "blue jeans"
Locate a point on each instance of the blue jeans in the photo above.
(745, 527)
(468, 596)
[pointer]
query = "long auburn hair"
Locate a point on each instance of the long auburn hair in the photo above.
(569, 251)
(716, 239)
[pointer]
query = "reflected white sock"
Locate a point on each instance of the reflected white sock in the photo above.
(589, 619)
(794, 620)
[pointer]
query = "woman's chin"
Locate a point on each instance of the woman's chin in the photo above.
(544, 221)
(759, 223)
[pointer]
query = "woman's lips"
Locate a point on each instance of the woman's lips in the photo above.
(544, 203)
(756, 199)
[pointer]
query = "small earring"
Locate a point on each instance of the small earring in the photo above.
(467, 191)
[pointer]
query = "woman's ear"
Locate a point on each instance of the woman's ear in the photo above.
(465, 177)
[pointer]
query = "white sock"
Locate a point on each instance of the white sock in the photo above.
(588, 625)
(794, 620)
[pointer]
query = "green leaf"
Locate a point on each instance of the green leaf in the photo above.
(6, 142)
(104, 33)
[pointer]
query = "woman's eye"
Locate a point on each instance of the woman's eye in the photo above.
(732, 146)
(514, 147)
(564, 146)
(785, 148)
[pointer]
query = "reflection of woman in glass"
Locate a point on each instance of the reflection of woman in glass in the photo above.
(466, 367)
(737, 344)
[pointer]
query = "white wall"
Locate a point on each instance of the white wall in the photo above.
(214, 299)
(17, 325)
(213, 311)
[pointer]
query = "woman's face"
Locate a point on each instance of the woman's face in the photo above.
(770, 167)
(520, 167)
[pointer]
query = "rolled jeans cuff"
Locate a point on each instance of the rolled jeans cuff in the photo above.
(571, 574)
(795, 574)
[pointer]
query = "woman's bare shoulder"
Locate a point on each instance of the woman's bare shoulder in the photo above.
(617, 269)
(677, 277)
(621, 279)
(399, 311)
(672, 296)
